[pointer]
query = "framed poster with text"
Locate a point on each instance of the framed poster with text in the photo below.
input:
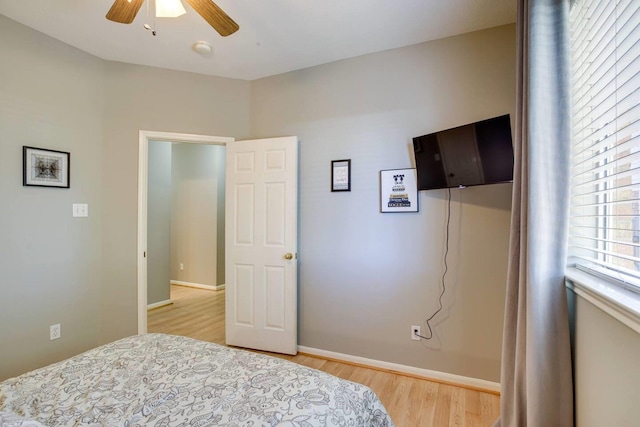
(398, 190)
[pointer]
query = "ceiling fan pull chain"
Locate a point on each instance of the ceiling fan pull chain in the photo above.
(147, 26)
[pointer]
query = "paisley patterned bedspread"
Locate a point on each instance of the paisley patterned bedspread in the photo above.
(165, 380)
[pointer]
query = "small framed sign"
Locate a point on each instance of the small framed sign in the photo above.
(341, 175)
(45, 168)
(398, 190)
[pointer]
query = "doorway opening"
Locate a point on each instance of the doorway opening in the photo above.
(145, 138)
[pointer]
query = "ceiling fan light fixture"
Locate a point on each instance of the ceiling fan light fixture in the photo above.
(169, 8)
(124, 12)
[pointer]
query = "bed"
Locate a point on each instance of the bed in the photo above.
(165, 380)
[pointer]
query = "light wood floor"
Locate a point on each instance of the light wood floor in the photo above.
(411, 402)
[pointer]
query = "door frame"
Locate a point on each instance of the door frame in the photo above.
(143, 169)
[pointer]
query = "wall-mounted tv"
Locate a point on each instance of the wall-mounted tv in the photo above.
(474, 154)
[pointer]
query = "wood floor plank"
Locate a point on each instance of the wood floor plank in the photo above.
(311, 362)
(442, 415)
(457, 405)
(423, 404)
(489, 405)
(472, 401)
(411, 402)
(403, 387)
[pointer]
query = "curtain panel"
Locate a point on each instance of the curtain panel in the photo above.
(536, 378)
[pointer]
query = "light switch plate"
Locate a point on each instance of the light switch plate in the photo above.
(80, 210)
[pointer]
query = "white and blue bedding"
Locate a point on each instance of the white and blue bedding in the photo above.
(164, 380)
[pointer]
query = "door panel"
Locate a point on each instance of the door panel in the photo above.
(244, 301)
(244, 217)
(275, 205)
(261, 244)
(275, 298)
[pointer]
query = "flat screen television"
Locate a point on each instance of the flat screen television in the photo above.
(474, 154)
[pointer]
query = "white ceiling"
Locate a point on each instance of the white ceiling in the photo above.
(275, 36)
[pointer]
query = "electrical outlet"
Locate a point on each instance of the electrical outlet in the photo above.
(55, 331)
(181, 266)
(415, 332)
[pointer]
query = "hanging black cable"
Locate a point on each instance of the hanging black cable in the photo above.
(446, 268)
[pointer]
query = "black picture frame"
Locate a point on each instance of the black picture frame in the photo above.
(341, 175)
(42, 167)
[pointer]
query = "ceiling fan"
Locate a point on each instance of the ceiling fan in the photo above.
(124, 12)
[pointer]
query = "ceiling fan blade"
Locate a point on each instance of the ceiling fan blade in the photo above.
(124, 11)
(215, 16)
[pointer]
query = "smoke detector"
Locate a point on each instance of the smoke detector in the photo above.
(202, 47)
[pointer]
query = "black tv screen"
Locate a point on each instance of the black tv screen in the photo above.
(474, 154)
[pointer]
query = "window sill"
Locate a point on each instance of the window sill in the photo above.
(614, 300)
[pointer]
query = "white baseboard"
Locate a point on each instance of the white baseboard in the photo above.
(159, 304)
(436, 376)
(198, 285)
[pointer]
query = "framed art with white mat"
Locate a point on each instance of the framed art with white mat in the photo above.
(45, 168)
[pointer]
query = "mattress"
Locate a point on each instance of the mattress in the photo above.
(166, 380)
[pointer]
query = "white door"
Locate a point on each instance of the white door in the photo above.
(261, 244)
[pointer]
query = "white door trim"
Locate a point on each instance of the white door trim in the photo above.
(143, 169)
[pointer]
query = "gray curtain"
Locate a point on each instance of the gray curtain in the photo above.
(537, 385)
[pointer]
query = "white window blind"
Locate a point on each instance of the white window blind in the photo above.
(604, 233)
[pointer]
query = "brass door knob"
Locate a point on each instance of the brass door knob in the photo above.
(288, 256)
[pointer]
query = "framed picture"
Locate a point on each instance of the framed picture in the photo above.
(398, 190)
(45, 168)
(341, 175)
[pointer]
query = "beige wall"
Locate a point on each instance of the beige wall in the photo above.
(51, 96)
(159, 221)
(366, 277)
(606, 367)
(197, 210)
(184, 216)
